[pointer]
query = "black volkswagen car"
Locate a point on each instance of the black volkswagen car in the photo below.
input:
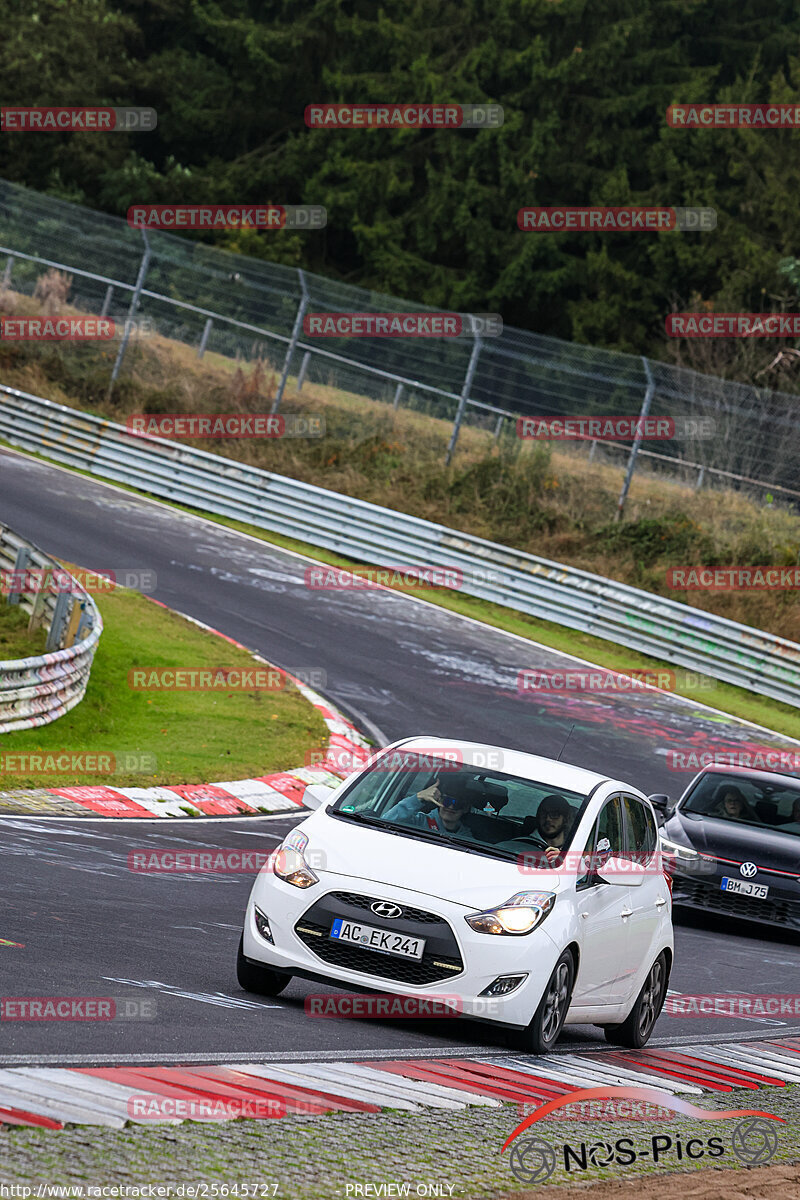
(731, 844)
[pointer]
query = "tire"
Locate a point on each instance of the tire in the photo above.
(635, 1030)
(542, 1034)
(257, 979)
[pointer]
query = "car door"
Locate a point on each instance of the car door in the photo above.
(648, 900)
(603, 933)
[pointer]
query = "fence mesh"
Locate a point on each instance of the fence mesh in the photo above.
(252, 307)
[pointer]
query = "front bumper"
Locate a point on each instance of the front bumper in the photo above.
(704, 891)
(458, 963)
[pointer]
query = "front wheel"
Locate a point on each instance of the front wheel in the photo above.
(260, 980)
(541, 1035)
(635, 1030)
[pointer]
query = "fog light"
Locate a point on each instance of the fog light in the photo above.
(503, 985)
(262, 925)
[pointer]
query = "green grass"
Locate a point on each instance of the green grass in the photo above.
(193, 736)
(15, 641)
(772, 714)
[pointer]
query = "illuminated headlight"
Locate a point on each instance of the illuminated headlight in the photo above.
(674, 850)
(520, 914)
(289, 864)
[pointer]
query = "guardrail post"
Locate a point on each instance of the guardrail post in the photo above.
(137, 291)
(462, 403)
(301, 378)
(701, 476)
(60, 617)
(648, 399)
(107, 301)
(73, 624)
(398, 395)
(498, 428)
(20, 565)
(40, 599)
(290, 349)
(7, 272)
(201, 349)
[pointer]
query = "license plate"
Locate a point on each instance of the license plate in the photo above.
(382, 940)
(743, 888)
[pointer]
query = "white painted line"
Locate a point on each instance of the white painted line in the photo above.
(85, 1087)
(429, 1094)
(575, 1071)
(756, 1062)
(645, 1077)
(41, 1097)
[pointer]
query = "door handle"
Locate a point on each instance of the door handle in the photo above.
(585, 916)
(626, 912)
(660, 902)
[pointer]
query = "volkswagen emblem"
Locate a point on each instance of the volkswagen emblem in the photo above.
(382, 908)
(748, 870)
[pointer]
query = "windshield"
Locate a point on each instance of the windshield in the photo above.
(746, 802)
(478, 810)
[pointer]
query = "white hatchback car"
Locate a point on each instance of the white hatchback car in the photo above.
(528, 892)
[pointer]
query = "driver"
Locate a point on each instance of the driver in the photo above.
(732, 804)
(448, 817)
(552, 824)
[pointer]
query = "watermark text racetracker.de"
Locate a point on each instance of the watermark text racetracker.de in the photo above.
(732, 1005)
(32, 580)
(76, 1008)
(228, 216)
(608, 428)
(600, 679)
(390, 1006)
(764, 758)
(626, 219)
(257, 1190)
(225, 425)
(402, 325)
(76, 762)
(15, 119)
(404, 116)
(223, 679)
(733, 579)
(222, 860)
(72, 329)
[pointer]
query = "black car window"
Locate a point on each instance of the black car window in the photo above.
(604, 840)
(745, 801)
(640, 831)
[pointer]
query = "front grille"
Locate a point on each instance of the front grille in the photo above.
(780, 912)
(408, 913)
(441, 960)
(370, 962)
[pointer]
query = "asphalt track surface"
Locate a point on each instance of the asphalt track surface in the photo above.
(91, 927)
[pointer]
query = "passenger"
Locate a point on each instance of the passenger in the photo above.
(447, 819)
(792, 826)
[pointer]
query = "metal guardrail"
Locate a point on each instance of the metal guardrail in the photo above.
(35, 691)
(663, 628)
(251, 309)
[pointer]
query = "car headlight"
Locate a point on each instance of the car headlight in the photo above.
(289, 864)
(675, 850)
(522, 913)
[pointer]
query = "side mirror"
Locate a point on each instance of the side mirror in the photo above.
(659, 802)
(317, 794)
(620, 871)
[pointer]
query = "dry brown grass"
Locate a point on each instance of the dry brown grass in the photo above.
(548, 501)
